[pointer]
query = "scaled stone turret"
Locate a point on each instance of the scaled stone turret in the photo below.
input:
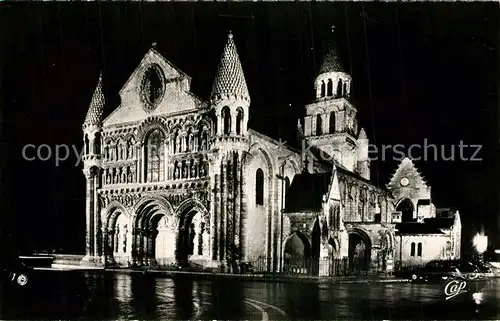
(92, 168)
(230, 98)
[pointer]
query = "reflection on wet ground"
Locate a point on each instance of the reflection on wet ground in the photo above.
(115, 296)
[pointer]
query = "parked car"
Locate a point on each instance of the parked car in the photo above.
(446, 269)
(486, 269)
(14, 272)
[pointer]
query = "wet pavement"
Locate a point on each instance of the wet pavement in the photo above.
(118, 296)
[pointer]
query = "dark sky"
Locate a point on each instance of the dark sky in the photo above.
(420, 71)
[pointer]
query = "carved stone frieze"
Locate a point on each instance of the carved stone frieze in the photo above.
(127, 199)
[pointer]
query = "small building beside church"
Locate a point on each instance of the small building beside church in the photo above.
(423, 233)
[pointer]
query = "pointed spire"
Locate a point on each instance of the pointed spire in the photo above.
(406, 161)
(229, 79)
(362, 134)
(96, 108)
(331, 62)
(300, 131)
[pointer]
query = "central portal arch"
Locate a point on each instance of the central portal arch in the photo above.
(154, 242)
(359, 251)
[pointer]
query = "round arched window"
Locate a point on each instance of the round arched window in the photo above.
(152, 87)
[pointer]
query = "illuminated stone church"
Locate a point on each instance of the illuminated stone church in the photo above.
(174, 179)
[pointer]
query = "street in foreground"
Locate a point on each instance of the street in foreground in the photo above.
(110, 296)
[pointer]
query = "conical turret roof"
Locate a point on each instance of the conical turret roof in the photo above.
(362, 134)
(230, 79)
(94, 114)
(331, 62)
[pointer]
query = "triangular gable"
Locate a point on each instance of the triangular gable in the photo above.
(334, 188)
(407, 169)
(153, 56)
(177, 98)
(458, 223)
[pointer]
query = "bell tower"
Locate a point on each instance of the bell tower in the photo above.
(330, 123)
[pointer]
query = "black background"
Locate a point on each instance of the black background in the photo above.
(420, 71)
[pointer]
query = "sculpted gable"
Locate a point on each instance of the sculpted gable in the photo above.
(155, 88)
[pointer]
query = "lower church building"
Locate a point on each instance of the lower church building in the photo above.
(174, 179)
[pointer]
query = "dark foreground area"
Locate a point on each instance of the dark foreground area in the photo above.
(114, 296)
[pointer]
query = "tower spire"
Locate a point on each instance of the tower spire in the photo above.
(230, 79)
(331, 62)
(96, 108)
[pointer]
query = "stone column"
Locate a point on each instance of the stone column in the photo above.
(374, 260)
(230, 207)
(198, 239)
(233, 122)
(140, 247)
(142, 170)
(219, 123)
(89, 207)
(244, 125)
(130, 242)
(97, 218)
(223, 212)
(105, 241)
(138, 164)
(271, 237)
(149, 246)
(215, 217)
(237, 206)
(244, 208)
(133, 253)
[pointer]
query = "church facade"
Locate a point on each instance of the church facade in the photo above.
(173, 179)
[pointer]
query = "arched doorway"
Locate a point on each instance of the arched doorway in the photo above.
(297, 254)
(407, 209)
(193, 238)
(116, 238)
(162, 240)
(155, 222)
(359, 252)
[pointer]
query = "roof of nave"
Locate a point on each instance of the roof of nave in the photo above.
(96, 108)
(273, 141)
(229, 78)
(306, 192)
(307, 189)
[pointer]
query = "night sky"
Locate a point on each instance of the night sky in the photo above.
(420, 71)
